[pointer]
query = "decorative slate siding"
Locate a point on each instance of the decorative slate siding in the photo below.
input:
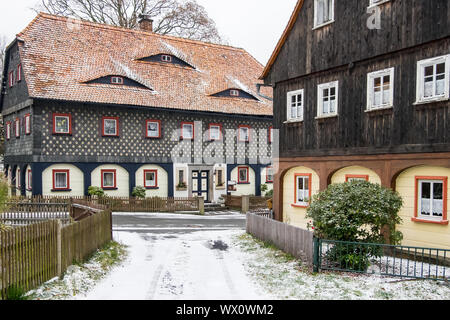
(24, 144)
(87, 145)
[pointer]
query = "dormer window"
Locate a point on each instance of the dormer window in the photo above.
(234, 93)
(166, 58)
(116, 80)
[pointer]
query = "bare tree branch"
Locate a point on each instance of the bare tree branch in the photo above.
(183, 18)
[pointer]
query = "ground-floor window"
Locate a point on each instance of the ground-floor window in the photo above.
(431, 197)
(61, 180)
(108, 179)
(356, 177)
(29, 185)
(243, 175)
(269, 175)
(302, 190)
(150, 178)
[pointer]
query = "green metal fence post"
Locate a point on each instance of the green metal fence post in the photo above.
(316, 266)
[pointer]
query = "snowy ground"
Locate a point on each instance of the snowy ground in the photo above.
(185, 257)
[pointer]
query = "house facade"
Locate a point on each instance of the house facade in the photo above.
(361, 91)
(87, 104)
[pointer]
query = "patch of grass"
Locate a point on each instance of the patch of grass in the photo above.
(16, 293)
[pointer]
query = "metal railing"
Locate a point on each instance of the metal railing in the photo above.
(382, 259)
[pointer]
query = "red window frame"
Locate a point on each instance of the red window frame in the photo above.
(19, 73)
(113, 171)
(67, 172)
(103, 126)
(239, 133)
(11, 79)
(166, 58)
(416, 218)
(116, 77)
(267, 174)
(309, 176)
(156, 179)
(8, 130)
(27, 123)
(29, 176)
(17, 127)
(220, 131)
(146, 129)
(182, 130)
(66, 115)
(239, 176)
(356, 176)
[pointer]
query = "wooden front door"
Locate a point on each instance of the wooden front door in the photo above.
(200, 184)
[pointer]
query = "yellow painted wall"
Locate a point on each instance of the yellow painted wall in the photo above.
(339, 176)
(244, 189)
(418, 233)
(76, 181)
(291, 215)
(162, 181)
(122, 180)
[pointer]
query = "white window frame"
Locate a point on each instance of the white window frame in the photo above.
(420, 90)
(305, 191)
(371, 88)
(116, 80)
(291, 94)
(316, 11)
(374, 3)
(17, 127)
(166, 58)
(234, 93)
(320, 89)
(431, 217)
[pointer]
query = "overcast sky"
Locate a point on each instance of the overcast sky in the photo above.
(255, 25)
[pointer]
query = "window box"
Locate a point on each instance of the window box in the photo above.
(302, 190)
(327, 99)
(244, 134)
(151, 179)
(433, 80)
(295, 102)
(431, 200)
(243, 175)
(153, 129)
(61, 180)
(380, 89)
(323, 13)
(187, 131)
(215, 132)
(62, 124)
(110, 126)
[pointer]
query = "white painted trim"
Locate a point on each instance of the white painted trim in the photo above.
(421, 65)
(370, 88)
(317, 26)
(288, 105)
(320, 89)
(375, 4)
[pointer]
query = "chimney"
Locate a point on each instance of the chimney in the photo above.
(145, 23)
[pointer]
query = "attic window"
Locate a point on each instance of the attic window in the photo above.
(166, 58)
(116, 80)
(234, 93)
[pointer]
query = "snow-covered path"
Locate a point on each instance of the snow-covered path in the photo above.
(196, 263)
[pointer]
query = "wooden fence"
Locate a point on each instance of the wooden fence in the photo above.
(24, 213)
(290, 239)
(124, 204)
(33, 254)
(235, 202)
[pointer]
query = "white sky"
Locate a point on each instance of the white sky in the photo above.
(255, 25)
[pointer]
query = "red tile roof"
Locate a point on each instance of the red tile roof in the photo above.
(60, 54)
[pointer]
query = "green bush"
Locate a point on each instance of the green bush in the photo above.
(139, 192)
(356, 211)
(96, 191)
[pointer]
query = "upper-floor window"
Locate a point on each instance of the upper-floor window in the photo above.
(323, 12)
(380, 89)
(295, 105)
(110, 126)
(377, 2)
(153, 128)
(17, 127)
(327, 103)
(62, 123)
(11, 79)
(166, 58)
(244, 133)
(433, 79)
(27, 123)
(19, 73)
(187, 130)
(215, 132)
(116, 80)
(8, 130)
